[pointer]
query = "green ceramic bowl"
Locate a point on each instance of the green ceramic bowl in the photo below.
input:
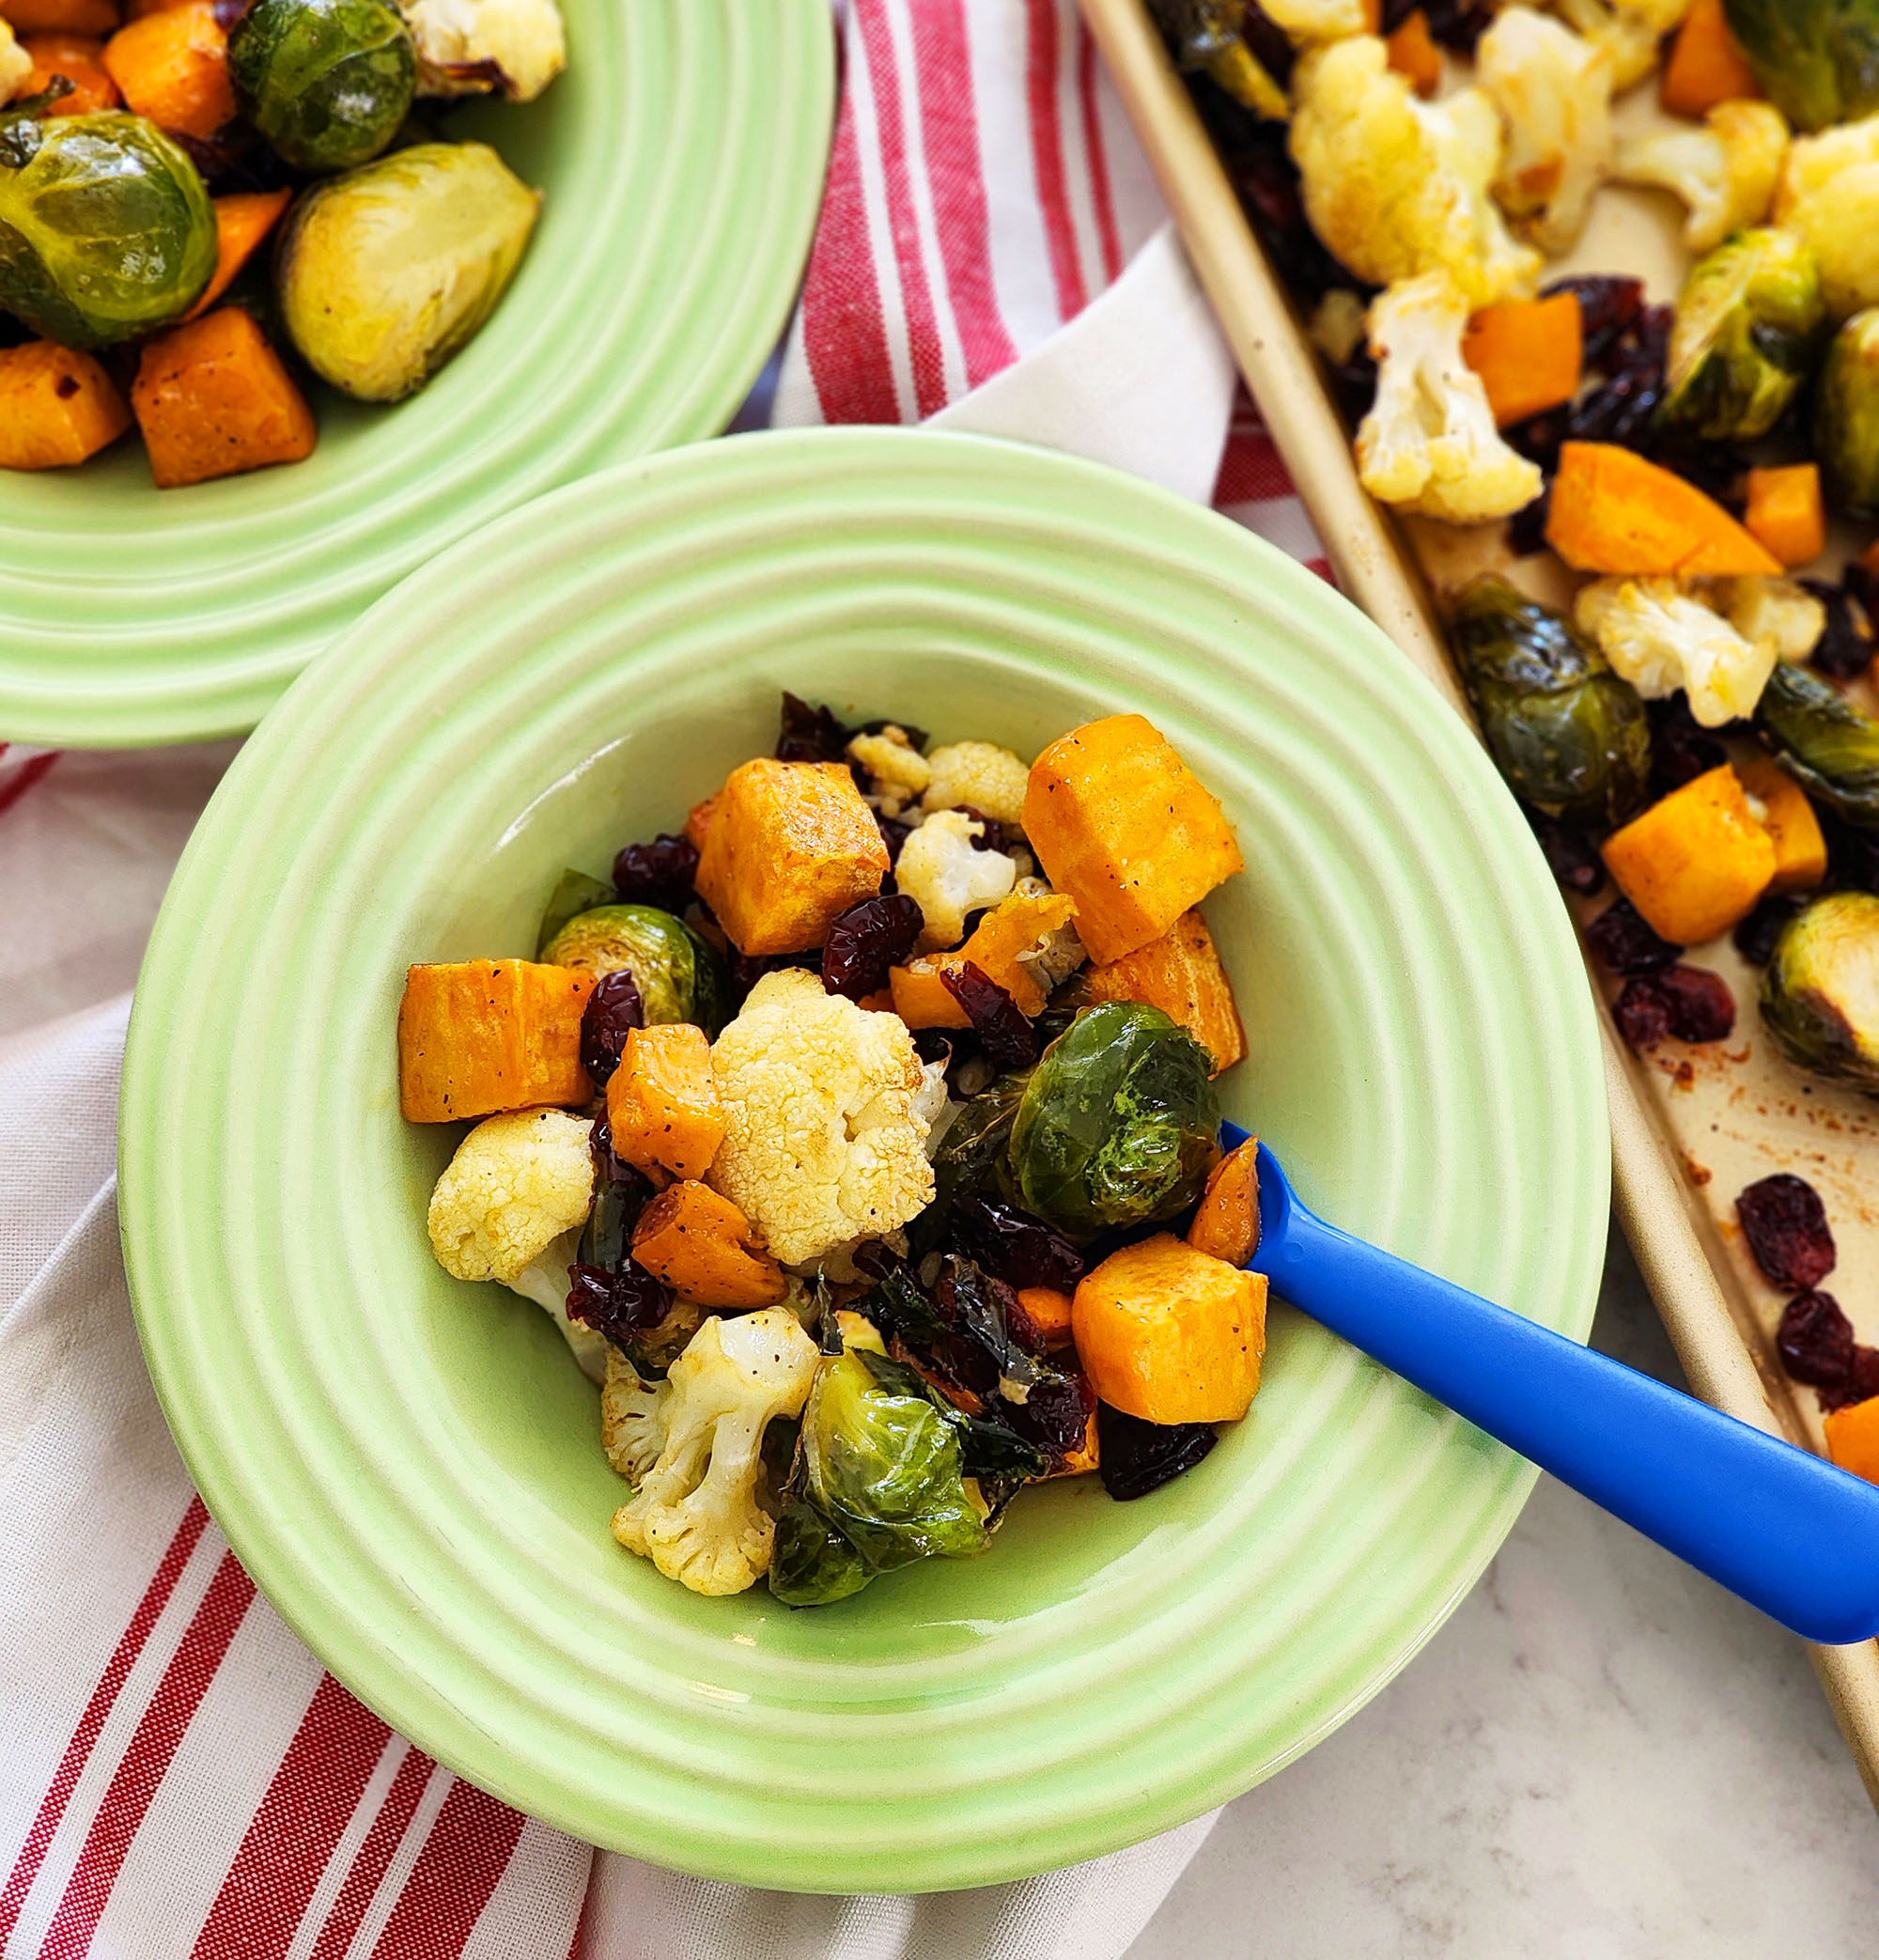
(410, 1466)
(682, 160)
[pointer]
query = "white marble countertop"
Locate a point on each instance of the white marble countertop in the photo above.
(1602, 1756)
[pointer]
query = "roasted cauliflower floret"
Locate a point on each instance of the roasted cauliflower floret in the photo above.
(947, 876)
(822, 1144)
(470, 47)
(15, 64)
(694, 1448)
(1429, 442)
(1307, 22)
(1630, 31)
(516, 1183)
(898, 771)
(1553, 90)
(1725, 172)
(1779, 613)
(1829, 195)
(992, 779)
(1660, 638)
(1397, 187)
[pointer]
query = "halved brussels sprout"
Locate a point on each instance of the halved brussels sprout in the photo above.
(678, 976)
(1830, 747)
(107, 231)
(1746, 331)
(1818, 59)
(1119, 1123)
(1820, 995)
(1567, 733)
(326, 81)
(1210, 35)
(1846, 417)
(387, 271)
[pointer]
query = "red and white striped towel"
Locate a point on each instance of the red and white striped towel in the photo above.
(178, 1775)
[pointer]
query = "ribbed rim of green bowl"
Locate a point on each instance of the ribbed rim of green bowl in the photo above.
(682, 155)
(1423, 1053)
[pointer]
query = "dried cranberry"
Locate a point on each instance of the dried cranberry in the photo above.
(1353, 382)
(1754, 939)
(1267, 181)
(1844, 648)
(1458, 24)
(1643, 1012)
(1785, 1224)
(617, 1304)
(1014, 1247)
(1851, 855)
(613, 1010)
(1624, 944)
(1526, 528)
(894, 834)
(1609, 308)
(1622, 408)
(1008, 1039)
(1681, 748)
(1054, 1414)
(1570, 855)
(1863, 1383)
(993, 835)
(933, 1044)
(747, 968)
(1702, 1007)
(1815, 1340)
(806, 734)
(609, 1168)
(865, 942)
(661, 873)
(1538, 439)
(1135, 1458)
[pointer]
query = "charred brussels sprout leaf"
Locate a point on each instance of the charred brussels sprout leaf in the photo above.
(326, 81)
(1747, 327)
(679, 978)
(107, 231)
(971, 1154)
(386, 273)
(1118, 1123)
(1827, 744)
(1818, 59)
(1211, 36)
(1567, 733)
(812, 1564)
(1846, 417)
(575, 893)
(1820, 995)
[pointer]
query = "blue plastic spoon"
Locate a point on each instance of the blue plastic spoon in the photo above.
(1786, 1531)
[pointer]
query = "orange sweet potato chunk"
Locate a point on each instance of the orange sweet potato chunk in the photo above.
(1787, 513)
(706, 1249)
(1529, 354)
(1413, 53)
(1853, 1438)
(1788, 816)
(1706, 65)
(1227, 1223)
(698, 821)
(1612, 510)
(1695, 863)
(76, 57)
(95, 18)
(1126, 830)
(1169, 1334)
(213, 398)
(1013, 926)
(1181, 974)
(56, 407)
(662, 1101)
(173, 67)
(1048, 1312)
(242, 220)
(483, 1036)
(789, 847)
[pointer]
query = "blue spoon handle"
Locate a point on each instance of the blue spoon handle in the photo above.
(1786, 1531)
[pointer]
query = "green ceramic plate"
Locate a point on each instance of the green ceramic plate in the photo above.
(410, 1466)
(682, 157)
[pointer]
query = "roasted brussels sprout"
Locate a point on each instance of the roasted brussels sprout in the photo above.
(576, 892)
(1820, 995)
(1818, 59)
(387, 271)
(1210, 35)
(1748, 328)
(1830, 747)
(107, 231)
(679, 978)
(880, 1478)
(326, 81)
(1567, 733)
(1846, 417)
(1118, 1124)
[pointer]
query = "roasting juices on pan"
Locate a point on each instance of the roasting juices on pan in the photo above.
(1630, 513)
(862, 1137)
(145, 163)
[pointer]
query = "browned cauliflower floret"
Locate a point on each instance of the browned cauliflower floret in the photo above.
(1725, 172)
(822, 1144)
(980, 773)
(1553, 90)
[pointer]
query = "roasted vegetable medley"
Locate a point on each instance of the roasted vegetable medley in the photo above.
(145, 159)
(1659, 515)
(863, 1139)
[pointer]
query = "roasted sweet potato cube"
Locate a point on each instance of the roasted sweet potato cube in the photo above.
(1124, 827)
(213, 398)
(1171, 1333)
(1048, 1313)
(1853, 1438)
(242, 220)
(663, 1100)
(56, 407)
(173, 67)
(490, 1034)
(1695, 863)
(79, 60)
(706, 1249)
(1227, 1223)
(790, 845)
(698, 821)
(1014, 927)
(1181, 974)
(1788, 816)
